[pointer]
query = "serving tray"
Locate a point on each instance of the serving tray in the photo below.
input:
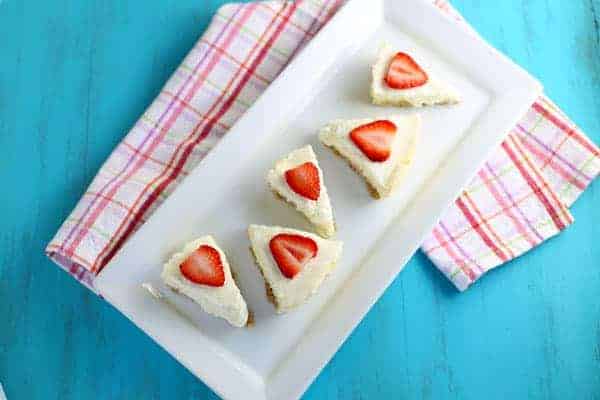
(280, 355)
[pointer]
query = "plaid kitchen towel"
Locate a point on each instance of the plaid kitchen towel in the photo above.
(515, 202)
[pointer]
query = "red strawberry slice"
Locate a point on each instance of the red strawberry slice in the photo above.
(304, 180)
(204, 267)
(292, 252)
(375, 139)
(404, 73)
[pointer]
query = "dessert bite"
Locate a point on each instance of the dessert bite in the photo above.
(400, 80)
(381, 150)
(201, 272)
(298, 179)
(293, 263)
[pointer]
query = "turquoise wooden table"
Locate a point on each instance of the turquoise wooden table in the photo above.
(75, 75)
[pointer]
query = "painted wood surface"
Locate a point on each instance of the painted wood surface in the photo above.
(75, 75)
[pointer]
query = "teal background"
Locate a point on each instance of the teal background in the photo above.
(75, 75)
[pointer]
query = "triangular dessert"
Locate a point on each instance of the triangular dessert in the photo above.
(201, 272)
(381, 150)
(298, 179)
(293, 263)
(400, 79)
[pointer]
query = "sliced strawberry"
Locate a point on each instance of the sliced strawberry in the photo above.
(404, 73)
(304, 180)
(204, 266)
(375, 139)
(292, 252)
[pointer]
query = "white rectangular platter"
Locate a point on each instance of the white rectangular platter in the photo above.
(280, 355)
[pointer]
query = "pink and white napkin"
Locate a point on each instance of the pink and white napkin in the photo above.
(517, 200)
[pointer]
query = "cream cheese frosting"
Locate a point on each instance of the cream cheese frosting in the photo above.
(290, 293)
(434, 91)
(225, 301)
(318, 212)
(383, 176)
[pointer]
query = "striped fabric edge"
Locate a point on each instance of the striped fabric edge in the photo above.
(570, 164)
(445, 247)
(63, 249)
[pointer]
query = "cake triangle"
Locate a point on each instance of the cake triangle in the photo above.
(201, 272)
(293, 263)
(297, 178)
(381, 150)
(400, 78)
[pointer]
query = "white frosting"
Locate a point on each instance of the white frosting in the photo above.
(225, 301)
(290, 293)
(336, 134)
(432, 92)
(319, 211)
